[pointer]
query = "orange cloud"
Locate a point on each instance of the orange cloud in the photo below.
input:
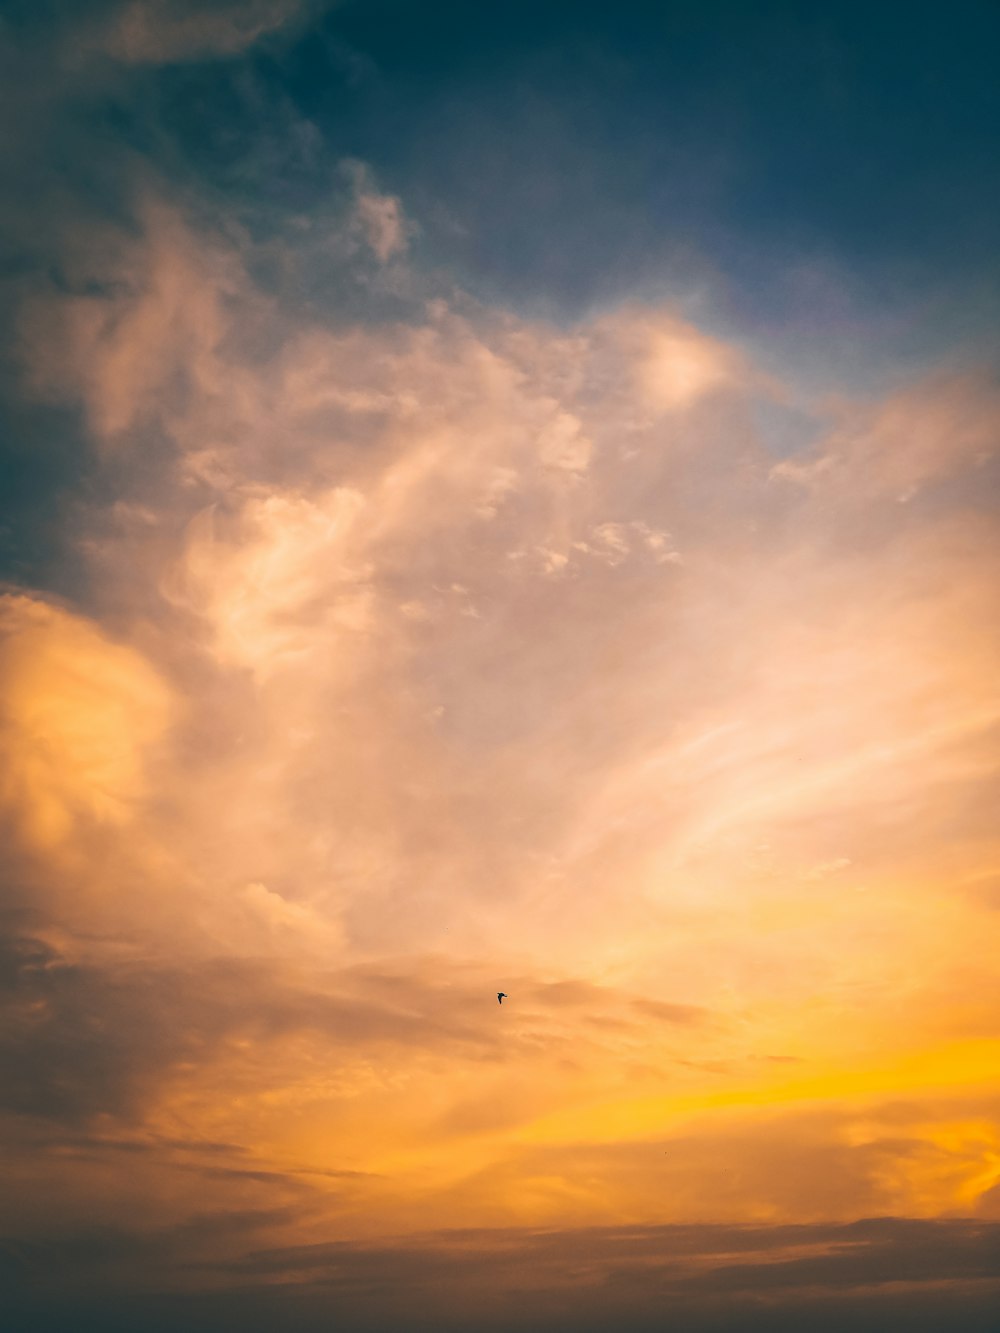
(511, 661)
(80, 715)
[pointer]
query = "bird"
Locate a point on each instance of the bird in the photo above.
(501, 996)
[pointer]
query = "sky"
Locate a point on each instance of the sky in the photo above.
(499, 498)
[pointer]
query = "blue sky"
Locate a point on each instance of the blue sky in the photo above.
(817, 182)
(562, 155)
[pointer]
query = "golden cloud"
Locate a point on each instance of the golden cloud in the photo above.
(80, 715)
(510, 660)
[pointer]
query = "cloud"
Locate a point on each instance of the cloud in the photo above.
(384, 648)
(869, 1271)
(256, 586)
(154, 329)
(445, 651)
(420, 542)
(867, 1252)
(165, 31)
(80, 715)
(921, 437)
(379, 217)
(677, 369)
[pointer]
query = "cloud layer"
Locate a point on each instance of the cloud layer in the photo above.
(436, 650)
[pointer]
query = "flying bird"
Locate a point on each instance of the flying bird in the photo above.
(501, 996)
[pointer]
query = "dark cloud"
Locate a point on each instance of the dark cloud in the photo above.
(84, 1038)
(868, 1252)
(880, 1268)
(79, 1039)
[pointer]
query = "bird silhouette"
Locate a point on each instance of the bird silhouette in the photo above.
(501, 996)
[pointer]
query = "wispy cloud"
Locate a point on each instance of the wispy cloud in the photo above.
(166, 31)
(420, 650)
